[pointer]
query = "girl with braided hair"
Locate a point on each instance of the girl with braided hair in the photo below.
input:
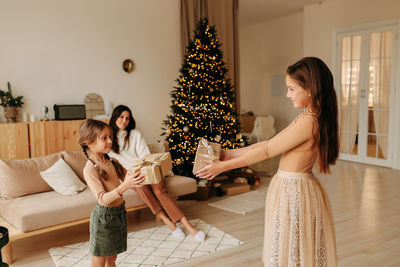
(108, 231)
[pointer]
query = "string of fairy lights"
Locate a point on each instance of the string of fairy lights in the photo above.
(202, 103)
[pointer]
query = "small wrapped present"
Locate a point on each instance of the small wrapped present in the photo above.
(206, 150)
(236, 188)
(153, 166)
(164, 160)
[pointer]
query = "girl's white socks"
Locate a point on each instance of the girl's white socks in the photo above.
(178, 233)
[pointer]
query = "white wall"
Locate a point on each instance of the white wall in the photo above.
(267, 49)
(320, 21)
(56, 52)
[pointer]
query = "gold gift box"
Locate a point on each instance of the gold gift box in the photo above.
(154, 167)
(236, 188)
(205, 150)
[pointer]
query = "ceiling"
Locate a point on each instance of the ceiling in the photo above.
(257, 11)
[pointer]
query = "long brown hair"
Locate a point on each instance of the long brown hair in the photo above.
(313, 75)
(131, 125)
(88, 133)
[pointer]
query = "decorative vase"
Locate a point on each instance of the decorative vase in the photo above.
(11, 114)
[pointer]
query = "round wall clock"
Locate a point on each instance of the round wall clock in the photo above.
(128, 65)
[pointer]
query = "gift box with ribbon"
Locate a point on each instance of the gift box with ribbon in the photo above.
(154, 167)
(205, 150)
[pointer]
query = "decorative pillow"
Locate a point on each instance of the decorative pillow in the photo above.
(19, 177)
(63, 179)
(77, 161)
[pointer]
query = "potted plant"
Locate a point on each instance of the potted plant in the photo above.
(10, 104)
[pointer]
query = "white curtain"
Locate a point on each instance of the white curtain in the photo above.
(380, 67)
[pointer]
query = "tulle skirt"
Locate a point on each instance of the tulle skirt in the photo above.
(299, 229)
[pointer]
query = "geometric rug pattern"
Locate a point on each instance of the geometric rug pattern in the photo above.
(152, 247)
(242, 203)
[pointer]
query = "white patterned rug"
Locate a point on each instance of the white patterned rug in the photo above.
(152, 247)
(242, 203)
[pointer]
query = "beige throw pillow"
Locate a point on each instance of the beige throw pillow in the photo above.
(63, 179)
(19, 177)
(77, 161)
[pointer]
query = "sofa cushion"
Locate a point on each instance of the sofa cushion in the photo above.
(46, 209)
(22, 177)
(37, 211)
(158, 147)
(77, 161)
(63, 179)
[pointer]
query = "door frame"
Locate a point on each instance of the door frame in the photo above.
(393, 157)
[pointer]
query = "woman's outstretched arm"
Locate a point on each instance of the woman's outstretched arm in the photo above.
(294, 135)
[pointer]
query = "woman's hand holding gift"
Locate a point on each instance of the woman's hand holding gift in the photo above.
(209, 172)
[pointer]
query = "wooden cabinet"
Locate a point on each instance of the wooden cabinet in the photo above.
(14, 140)
(53, 136)
(36, 139)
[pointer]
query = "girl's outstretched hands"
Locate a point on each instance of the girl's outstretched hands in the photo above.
(209, 172)
(134, 180)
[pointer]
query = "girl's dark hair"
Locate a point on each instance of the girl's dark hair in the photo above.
(313, 75)
(131, 125)
(88, 133)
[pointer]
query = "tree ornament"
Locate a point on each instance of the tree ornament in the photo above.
(239, 136)
(217, 138)
(186, 129)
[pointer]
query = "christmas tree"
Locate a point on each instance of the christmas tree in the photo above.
(202, 102)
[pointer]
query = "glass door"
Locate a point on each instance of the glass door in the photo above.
(365, 89)
(349, 94)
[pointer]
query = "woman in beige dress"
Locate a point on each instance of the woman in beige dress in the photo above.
(299, 229)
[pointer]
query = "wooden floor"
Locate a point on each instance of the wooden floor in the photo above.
(366, 207)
